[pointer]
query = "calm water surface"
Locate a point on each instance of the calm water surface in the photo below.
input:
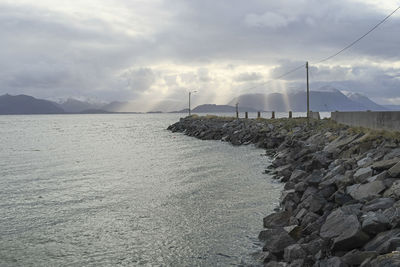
(108, 190)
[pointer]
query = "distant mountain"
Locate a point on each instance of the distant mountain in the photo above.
(392, 107)
(324, 99)
(77, 106)
(23, 104)
(116, 106)
(365, 101)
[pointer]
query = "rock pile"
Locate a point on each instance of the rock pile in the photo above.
(341, 203)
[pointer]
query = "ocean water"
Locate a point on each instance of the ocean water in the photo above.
(121, 190)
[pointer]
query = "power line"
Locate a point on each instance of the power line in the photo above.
(359, 39)
(331, 56)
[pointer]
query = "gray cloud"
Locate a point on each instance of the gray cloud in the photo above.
(131, 49)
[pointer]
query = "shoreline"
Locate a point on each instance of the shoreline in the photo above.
(341, 201)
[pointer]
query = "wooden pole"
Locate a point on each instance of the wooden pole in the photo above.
(290, 115)
(308, 95)
(273, 115)
(237, 110)
(189, 102)
(246, 115)
(258, 114)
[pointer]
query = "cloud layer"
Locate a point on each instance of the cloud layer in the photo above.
(154, 52)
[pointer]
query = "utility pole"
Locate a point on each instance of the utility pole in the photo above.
(308, 95)
(190, 93)
(189, 102)
(237, 110)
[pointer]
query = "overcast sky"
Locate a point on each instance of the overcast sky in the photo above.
(155, 51)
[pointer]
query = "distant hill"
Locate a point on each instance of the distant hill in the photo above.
(213, 108)
(23, 104)
(324, 99)
(76, 106)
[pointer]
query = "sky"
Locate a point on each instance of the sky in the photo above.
(153, 52)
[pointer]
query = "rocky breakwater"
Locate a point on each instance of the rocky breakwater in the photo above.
(341, 201)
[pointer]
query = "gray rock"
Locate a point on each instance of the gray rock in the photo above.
(393, 191)
(366, 191)
(380, 176)
(300, 187)
(356, 257)
(385, 164)
(315, 245)
(384, 242)
(294, 231)
(276, 264)
(332, 262)
(387, 260)
(362, 174)
(365, 161)
(294, 252)
(345, 230)
(278, 219)
(277, 240)
(313, 203)
(374, 223)
(393, 215)
(378, 203)
(297, 175)
(395, 170)
(340, 142)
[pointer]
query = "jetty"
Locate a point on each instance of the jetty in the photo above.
(341, 201)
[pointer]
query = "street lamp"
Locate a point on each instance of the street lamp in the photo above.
(190, 93)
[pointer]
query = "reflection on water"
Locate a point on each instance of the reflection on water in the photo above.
(100, 190)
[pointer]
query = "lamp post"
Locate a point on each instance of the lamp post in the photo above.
(190, 93)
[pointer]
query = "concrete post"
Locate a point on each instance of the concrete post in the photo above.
(246, 115)
(258, 114)
(290, 115)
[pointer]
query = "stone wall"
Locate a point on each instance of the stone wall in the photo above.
(378, 120)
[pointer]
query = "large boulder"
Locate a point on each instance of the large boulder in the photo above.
(294, 252)
(374, 223)
(393, 191)
(366, 191)
(332, 262)
(387, 260)
(345, 230)
(362, 174)
(276, 241)
(385, 164)
(356, 257)
(378, 203)
(395, 170)
(384, 242)
(277, 220)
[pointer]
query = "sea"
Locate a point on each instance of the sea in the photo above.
(121, 190)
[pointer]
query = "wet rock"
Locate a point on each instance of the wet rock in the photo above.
(300, 187)
(378, 203)
(374, 223)
(356, 257)
(297, 175)
(276, 264)
(294, 252)
(294, 231)
(395, 170)
(384, 242)
(313, 203)
(366, 191)
(276, 241)
(278, 219)
(345, 230)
